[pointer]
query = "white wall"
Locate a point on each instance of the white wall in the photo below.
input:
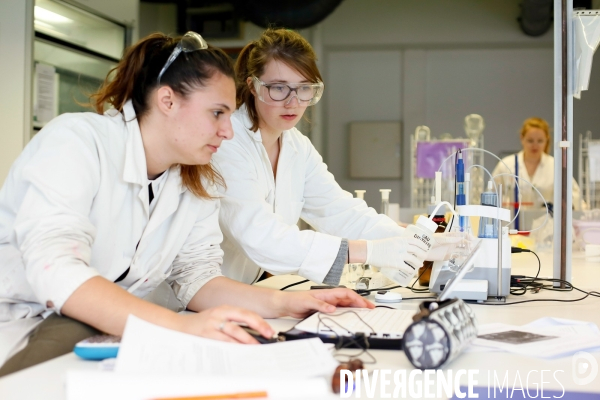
(158, 17)
(16, 32)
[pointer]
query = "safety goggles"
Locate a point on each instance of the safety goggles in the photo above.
(191, 41)
(307, 94)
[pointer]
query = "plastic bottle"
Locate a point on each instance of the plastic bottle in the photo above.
(424, 272)
(385, 201)
(360, 194)
(488, 227)
(423, 230)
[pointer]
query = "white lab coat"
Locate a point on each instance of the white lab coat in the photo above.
(542, 179)
(259, 214)
(75, 205)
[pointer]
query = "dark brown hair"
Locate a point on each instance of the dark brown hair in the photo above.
(135, 77)
(537, 123)
(283, 45)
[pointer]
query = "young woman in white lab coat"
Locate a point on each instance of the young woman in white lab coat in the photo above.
(275, 176)
(100, 209)
(535, 165)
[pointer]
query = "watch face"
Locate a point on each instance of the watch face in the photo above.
(382, 292)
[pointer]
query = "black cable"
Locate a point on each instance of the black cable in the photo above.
(535, 285)
(351, 340)
(412, 287)
(366, 292)
(569, 288)
(419, 298)
(294, 284)
(522, 284)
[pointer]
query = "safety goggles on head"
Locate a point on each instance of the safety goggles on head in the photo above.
(274, 93)
(191, 41)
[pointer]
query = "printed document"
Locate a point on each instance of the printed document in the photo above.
(545, 338)
(147, 348)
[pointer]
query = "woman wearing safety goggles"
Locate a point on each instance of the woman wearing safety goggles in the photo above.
(275, 176)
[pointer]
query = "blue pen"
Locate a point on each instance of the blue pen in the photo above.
(460, 190)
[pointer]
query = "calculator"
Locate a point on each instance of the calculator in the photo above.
(98, 347)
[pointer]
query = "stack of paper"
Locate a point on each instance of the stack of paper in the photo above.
(156, 362)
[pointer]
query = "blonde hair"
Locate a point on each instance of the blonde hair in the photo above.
(537, 123)
(283, 45)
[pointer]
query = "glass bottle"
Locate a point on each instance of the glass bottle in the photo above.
(424, 272)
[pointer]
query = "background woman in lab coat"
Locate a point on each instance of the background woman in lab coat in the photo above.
(100, 209)
(275, 176)
(535, 165)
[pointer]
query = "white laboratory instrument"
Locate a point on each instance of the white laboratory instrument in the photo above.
(360, 194)
(385, 201)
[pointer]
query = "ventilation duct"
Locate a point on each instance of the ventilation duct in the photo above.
(536, 16)
(289, 14)
(221, 18)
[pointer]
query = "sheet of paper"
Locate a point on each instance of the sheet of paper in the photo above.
(45, 103)
(147, 348)
(545, 338)
(99, 385)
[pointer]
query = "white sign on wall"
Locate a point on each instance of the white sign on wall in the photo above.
(45, 87)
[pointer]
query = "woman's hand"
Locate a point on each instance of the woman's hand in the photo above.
(302, 304)
(219, 323)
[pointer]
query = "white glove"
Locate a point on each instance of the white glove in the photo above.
(449, 244)
(394, 252)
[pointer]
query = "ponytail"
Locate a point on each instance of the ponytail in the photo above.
(136, 75)
(129, 79)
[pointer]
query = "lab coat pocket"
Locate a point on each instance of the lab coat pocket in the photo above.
(295, 211)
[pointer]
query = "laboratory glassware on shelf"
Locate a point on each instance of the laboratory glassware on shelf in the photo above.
(427, 155)
(385, 201)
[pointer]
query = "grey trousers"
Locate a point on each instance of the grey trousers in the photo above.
(53, 337)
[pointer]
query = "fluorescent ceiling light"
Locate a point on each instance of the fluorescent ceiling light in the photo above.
(49, 16)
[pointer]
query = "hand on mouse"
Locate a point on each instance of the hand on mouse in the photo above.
(219, 323)
(302, 304)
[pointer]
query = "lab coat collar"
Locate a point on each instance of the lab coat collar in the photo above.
(247, 122)
(135, 169)
(168, 200)
(286, 138)
(543, 162)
